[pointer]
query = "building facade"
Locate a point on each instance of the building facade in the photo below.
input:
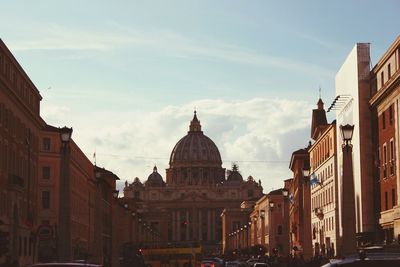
(324, 185)
(353, 92)
(300, 205)
(82, 193)
(276, 218)
(20, 125)
(236, 229)
(385, 81)
(186, 208)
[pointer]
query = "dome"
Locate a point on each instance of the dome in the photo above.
(234, 175)
(195, 147)
(136, 182)
(155, 179)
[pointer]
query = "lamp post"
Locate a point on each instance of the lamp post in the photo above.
(99, 208)
(271, 233)
(115, 238)
(64, 213)
(285, 249)
(262, 217)
(348, 202)
(304, 204)
(255, 230)
(115, 194)
(306, 174)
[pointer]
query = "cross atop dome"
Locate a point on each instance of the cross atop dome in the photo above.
(195, 125)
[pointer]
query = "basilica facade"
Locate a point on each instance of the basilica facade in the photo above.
(186, 207)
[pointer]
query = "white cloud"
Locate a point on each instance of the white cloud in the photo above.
(162, 42)
(259, 134)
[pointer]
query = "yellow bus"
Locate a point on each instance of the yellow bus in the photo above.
(172, 257)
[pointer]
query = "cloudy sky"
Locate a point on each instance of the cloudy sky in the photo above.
(127, 75)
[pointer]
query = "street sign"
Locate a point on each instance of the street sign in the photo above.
(44, 232)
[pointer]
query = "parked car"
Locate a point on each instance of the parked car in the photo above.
(212, 262)
(250, 262)
(260, 264)
(369, 257)
(235, 264)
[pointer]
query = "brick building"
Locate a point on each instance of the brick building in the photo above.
(276, 220)
(82, 194)
(20, 125)
(300, 205)
(385, 81)
(324, 184)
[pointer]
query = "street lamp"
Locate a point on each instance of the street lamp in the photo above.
(271, 205)
(348, 201)
(347, 133)
(306, 172)
(262, 214)
(285, 192)
(115, 194)
(65, 134)
(64, 215)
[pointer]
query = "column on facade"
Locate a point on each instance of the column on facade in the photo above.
(178, 224)
(200, 225)
(208, 225)
(213, 231)
(194, 224)
(173, 226)
(255, 232)
(187, 225)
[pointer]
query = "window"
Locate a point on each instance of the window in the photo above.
(389, 71)
(46, 144)
(383, 120)
(46, 200)
(391, 155)
(136, 194)
(382, 78)
(46, 172)
(391, 114)
(393, 197)
(384, 161)
(386, 201)
(250, 193)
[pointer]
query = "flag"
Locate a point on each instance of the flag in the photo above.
(291, 199)
(314, 179)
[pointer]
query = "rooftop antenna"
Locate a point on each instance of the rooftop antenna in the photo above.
(319, 91)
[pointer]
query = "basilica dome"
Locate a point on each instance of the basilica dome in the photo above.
(195, 147)
(195, 159)
(234, 175)
(155, 179)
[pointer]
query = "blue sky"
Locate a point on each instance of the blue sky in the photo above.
(127, 74)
